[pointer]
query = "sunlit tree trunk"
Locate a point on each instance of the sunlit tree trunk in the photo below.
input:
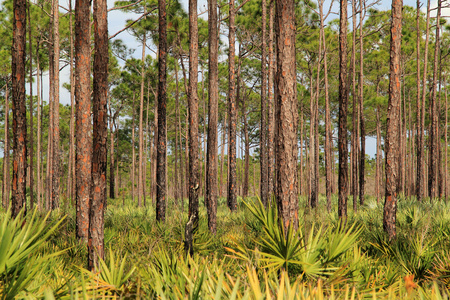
(133, 152)
(362, 158)
(141, 129)
(71, 171)
(6, 171)
(31, 163)
(83, 116)
(354, 140)
(287, 114)
(99, 154)
(393, 120)
(270, 98)
(264, 188)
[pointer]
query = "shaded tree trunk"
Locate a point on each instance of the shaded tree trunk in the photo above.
(362, 157)
(133, 153)
(354, 139)
(264, 189)
(71, 171)
(83, 116)
(433, 167)
(270, 102)
(6, 171)
(38, 158)
(379, 158)
(232, 112)
(162, 98)
(211, 161)
(194, 172)
(141, 129)
(343, 103)
(393, 120)
(287, 114)
(18, 197)
(31, 111)
(419, 131)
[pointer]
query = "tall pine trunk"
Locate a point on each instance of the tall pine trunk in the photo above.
(211, 161)
(264, 189)
(83, 116)
(393, 120)
(141, 130)
(31, 163)
(162, 99)
(419, 128)
(286, 114)
(270, 100)
(354, 156)
(433, 167)
(232, 112)
(343, 103)
(6, 171)
(362, 157)
(18, 197)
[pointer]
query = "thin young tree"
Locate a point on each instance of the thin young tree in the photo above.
(433, 166)
(6, 172)
(286, 114)
(194, 172)
(83, 116)
(162, 99)
(141, 179)
(419, 130)
(362, 154)
(354, 139)
(55, 166)
(343, 104)
(264, 184)
(393, 121)
(213, 115)
(31, 163)
(232, 110)
(18, 197)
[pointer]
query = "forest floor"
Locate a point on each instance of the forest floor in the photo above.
(249, 257)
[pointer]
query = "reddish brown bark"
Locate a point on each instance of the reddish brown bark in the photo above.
(286, 114)
(99, 154)
(264, 183)
(83, 116)
(18, 197)
(31, 163)
(393, 120)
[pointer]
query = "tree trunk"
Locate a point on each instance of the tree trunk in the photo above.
(112, 183)
(162, 98)
(232, 112)
(245, 187)
(379, 158)
(392, 132)
(354, 139)
(343, 103)
(177, 126)
(270, 102)
(38, 158)
(31, 111)
(83, 116)
(194, 172)
(71, 171)
(18, 197)
(446, 140)
(313, 197)
(55, 145)
(99, 157)
(141, 129)
(264, 189)
(433, 167)
(211, 161)
(328, 138)
(6, 171)
(419, 163)
(133, 153)
(362, 158)
(287, 114)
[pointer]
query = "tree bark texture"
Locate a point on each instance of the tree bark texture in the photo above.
(287, 114)
(141, 129)
(343, 104)
(393, 120)
(31, 163)
(56, 157)
(362, 155)
(354, 139)
(270, 100)
(83, 116)
(264, 189)
(99, 158)
(194, 172)
(232, 111)
(6, 166)
(18, 197)
(433, 171)
(211, 160)
(162, 99)
(419, 131)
